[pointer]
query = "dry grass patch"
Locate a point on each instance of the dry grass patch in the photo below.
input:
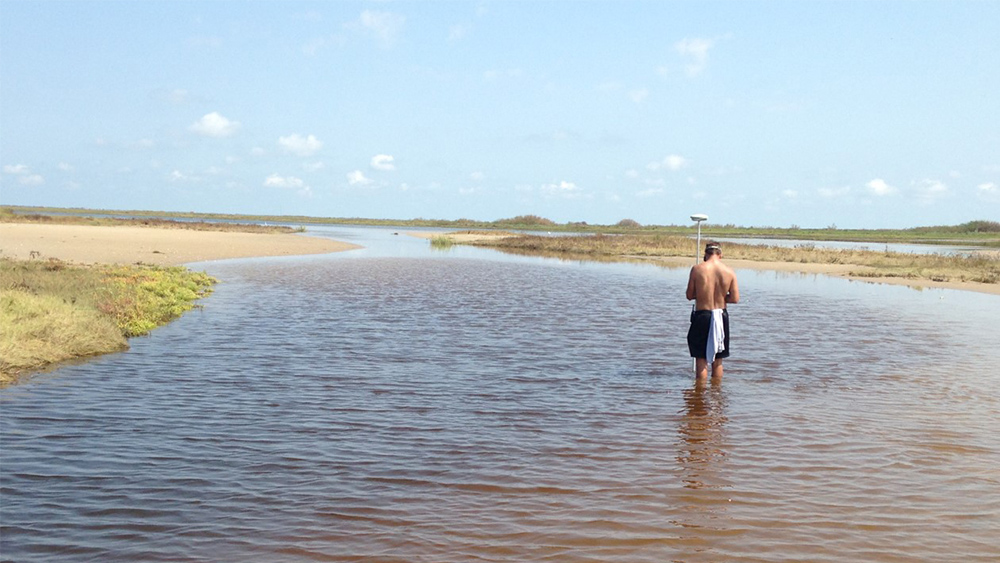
(872, 264)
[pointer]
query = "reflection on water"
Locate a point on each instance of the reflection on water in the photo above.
(702, 450)
(395, 404)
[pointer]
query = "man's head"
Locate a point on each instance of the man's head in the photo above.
(713, 249)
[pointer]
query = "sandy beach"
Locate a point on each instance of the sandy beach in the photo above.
(838, 270)
(166, 247)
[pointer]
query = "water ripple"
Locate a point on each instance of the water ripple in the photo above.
(404, 409)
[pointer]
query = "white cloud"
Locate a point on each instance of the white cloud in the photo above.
(385, 27)
(214, 125)
(24, 175)
(639, 95)
(312, 47)
(674, 162)
(631, 173)
(314, 166)
(299, 145)
(988, 191)
(791, 194)
(833, 193)
(31, 180)
(650, 192)
(879, 187)
(257, 151)
(929, 190)
(695, 50)
(287, 182)
(671, 162)
(358, 178)
(477, 176)
(562, 189)
(458, 31)
(178, 96)
(178, 176)
(66, 167)
(16, 169)
(383, 162)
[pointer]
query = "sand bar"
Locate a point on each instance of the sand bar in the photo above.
(83, 244)
(837, 270)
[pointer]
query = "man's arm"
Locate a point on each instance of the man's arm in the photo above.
(690, 289)
(734, 292)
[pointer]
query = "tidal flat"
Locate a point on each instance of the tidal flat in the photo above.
(399, 402)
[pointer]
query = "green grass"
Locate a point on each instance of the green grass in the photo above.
(51, 312)
(442, 242)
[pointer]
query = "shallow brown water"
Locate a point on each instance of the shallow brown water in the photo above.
(396, 404)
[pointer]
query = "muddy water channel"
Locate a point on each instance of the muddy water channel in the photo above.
(398, 403)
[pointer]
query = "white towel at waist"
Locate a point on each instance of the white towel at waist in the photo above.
(716, 336)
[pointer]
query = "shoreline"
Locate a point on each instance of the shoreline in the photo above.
(834, 270)
(61, 317)
(85, 244)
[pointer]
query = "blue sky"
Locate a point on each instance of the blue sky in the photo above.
(855, 114)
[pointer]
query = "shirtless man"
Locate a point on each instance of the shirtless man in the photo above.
(711, 285)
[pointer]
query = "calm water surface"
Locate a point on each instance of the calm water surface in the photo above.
(401, 404)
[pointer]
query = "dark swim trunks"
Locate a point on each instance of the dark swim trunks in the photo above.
(701, 322)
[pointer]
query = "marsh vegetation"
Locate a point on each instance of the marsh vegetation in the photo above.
(51, 311)
(976, 267)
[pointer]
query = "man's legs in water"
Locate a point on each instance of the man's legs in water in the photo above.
(701, 368)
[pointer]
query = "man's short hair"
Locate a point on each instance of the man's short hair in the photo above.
(713, 248)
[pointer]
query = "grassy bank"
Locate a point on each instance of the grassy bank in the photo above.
(979, 233)
(8, 216)
(51, 311)
(870, 264)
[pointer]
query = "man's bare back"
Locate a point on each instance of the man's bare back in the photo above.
(712, 284)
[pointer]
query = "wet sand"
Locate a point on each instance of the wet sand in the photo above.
(838, 270)
(82, 244)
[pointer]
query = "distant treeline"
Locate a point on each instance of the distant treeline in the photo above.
(979, 232)
(970, 227)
